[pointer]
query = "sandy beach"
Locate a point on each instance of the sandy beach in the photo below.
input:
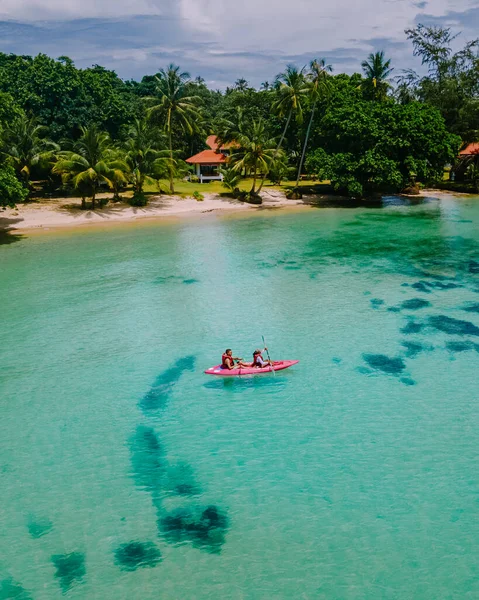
(66, 212)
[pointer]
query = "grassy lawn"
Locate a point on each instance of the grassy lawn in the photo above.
(186, 188)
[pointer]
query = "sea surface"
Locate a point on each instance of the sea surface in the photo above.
(126, 473)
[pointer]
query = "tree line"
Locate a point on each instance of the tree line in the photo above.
(374, 131)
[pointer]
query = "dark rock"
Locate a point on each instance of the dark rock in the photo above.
(39, 527)
(134, 555)
(472, 308)
(412, 327)
(147, 459)
(204, 527)
(70, 569)
(412, 348)
(381, 362)
(415, 304)
(460, 346)
(453, 326)
(160, 391)
(11, 590)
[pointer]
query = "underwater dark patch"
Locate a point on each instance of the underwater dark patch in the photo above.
(472, 308)
(421, 286)
(175, 279)
(473, 266)
(160, 391)
(181, 480)
(190, 281)
(415, 304)
(460, 346)
(453, 326)
(336, 360)
(132, 556)
(39, 527)
(70, 569)
(394, 309)
(11, 590)
(147, 459)
(204, 527)
(412, 348)
(412, 327)
(381, 362)
(407, 381)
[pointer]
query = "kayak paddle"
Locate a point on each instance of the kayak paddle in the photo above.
(269, 357)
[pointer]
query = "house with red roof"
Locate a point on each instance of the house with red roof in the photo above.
(208, 162)
(470, 150)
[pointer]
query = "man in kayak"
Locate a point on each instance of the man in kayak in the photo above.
(228, 361)
(258, 360)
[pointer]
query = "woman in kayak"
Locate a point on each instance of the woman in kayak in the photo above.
(258, 360)
(228, 361)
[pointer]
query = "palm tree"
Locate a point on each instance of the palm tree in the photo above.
(90, 163)
(319, 86)
(25, 145)
(377, 70)
(174, 108)
(291, 87)
(256, 152)
(143, 154)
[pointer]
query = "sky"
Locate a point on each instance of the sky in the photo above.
(223, 40)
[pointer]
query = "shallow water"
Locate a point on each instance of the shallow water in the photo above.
(127, 473)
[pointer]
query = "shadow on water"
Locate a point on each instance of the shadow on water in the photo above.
(160, 391)
(8, 237)
(245, 382)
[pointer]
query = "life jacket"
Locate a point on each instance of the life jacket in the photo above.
(255, 360)
(224, 364)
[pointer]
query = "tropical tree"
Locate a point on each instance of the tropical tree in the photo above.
(377, 71)
(291, 89)
(25, 145)
(174, 108)
(147, 162)
(319, 86)
(256, 152)
(91, 162)
(231, 179)
(11, 190)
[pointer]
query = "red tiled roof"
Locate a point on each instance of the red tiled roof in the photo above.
(470, 149)
(207, 157)
(212, 143)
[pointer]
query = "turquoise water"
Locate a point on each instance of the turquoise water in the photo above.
(127, 473)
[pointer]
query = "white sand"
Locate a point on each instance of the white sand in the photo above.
(66, 212)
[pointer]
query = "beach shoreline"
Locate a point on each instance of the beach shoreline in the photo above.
(65, 213)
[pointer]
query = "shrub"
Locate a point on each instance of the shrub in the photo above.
(138, 200)
(11, 190)
(197, 196)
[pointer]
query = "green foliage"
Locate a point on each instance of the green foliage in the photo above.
(138, 199)
(377, 71)
(375, 147)
(198, 196)
(11, 190)
(231, 179)
(452, 82)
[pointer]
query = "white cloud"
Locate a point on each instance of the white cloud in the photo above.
(221, 39)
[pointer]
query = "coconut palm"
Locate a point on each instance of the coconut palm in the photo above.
(255, 153)
(174, 108)
(291, 89)
(147, 162)
(91, 162)
(319, 86)
(25, 145)
(377, 70)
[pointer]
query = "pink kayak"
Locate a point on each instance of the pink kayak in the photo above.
(278, 365)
